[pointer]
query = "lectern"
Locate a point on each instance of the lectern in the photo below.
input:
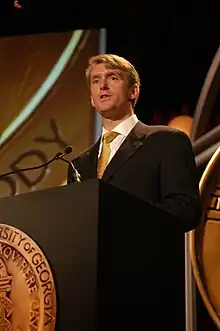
(116, 261)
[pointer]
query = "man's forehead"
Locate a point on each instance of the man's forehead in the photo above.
(100, 68)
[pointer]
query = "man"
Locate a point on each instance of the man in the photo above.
(154, 163)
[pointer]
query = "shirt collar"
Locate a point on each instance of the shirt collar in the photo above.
(124, 127)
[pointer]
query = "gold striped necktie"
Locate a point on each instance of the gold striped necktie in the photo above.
(108, 137)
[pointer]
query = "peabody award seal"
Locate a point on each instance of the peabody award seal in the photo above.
(27, 290)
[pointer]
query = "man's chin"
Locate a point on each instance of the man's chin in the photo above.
(106, 112)
(110, 113)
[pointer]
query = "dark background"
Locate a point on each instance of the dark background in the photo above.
(172, 52)
(171, 44)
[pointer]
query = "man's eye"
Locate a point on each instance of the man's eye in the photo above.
(95, 81)
(113, 77)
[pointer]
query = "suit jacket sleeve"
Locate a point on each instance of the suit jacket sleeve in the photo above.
(179, 185)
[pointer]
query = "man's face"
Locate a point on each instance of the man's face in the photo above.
(109, 89)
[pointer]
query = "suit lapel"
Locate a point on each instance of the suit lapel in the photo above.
(87, 163)
(128, 148)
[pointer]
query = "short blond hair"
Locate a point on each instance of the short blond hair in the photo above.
(113, 61)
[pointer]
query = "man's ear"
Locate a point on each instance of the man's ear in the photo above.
(134, 92)
(92, 102)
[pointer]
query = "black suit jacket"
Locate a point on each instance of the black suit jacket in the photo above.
(155, 164)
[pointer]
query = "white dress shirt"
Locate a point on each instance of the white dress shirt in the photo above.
(123, 129)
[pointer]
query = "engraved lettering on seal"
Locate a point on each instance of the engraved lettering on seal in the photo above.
(6, 305)
(27, 290)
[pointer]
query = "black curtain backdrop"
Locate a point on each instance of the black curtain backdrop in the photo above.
(172, 56)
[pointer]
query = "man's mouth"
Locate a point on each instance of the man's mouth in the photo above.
(104, 96)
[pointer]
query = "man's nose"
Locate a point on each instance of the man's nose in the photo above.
(104, 84)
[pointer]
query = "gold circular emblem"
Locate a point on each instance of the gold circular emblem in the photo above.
(27, 290)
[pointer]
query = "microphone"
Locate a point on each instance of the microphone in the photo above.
(58, 156)
(68, 150)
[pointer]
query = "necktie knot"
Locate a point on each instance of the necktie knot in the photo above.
(109, 136)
